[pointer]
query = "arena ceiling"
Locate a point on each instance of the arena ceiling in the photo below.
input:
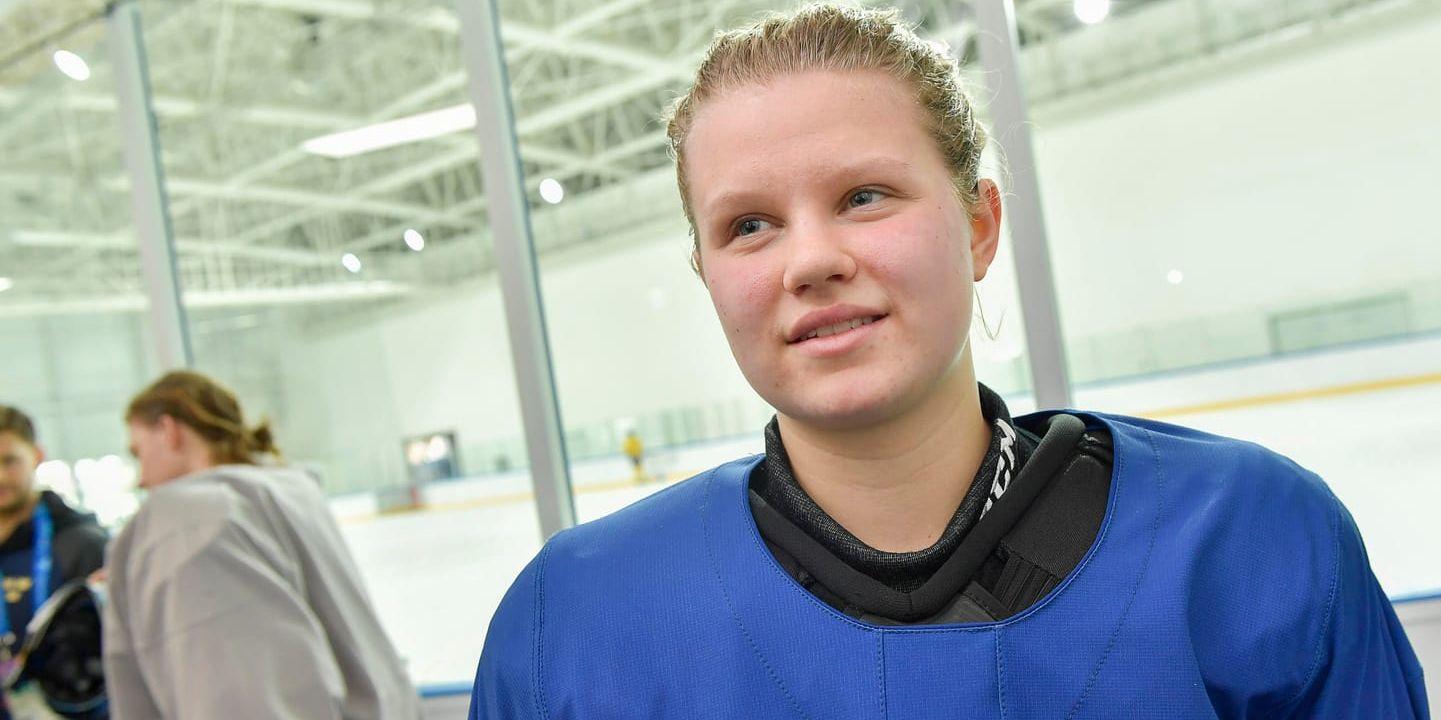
(240, 85)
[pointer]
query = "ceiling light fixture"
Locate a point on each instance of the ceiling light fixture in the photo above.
(72, 65)
(1091, 12)
(414, 128)
(552, 191)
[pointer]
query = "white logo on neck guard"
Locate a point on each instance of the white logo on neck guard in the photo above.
(1004, 467)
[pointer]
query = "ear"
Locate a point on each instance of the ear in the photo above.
(985, 228)
(695, 264)
(39, 455)
(169, 429)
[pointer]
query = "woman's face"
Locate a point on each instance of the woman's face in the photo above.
(157, 447)
(837, 255)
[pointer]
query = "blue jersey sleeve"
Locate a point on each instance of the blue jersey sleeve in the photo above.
(507, 682)
(1364, 666)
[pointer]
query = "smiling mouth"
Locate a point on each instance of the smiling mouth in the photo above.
(840, 327)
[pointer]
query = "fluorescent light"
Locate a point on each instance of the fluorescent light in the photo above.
(1091, 12)
(1175, 277)
(72, 65)
(6, 284)
(46, 238)
(551, 190)
(351, 262)
(341, 291)
(404, 130)
(414, 240)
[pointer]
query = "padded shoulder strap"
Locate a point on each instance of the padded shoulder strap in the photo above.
(1054, 534)
(1051, 456)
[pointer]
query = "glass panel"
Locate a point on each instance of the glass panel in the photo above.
(635, 339)
(1236, 195)
(345, 288)
(72, 325)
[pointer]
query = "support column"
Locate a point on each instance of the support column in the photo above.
(489, 89)
(998, 44)
(149, 205)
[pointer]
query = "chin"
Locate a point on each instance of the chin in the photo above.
(861, 396)
(851, 406)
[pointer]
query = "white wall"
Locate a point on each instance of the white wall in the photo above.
(1307, 179)
(74, 374)
(631, 332)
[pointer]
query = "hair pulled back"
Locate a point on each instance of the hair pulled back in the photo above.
(208, 408)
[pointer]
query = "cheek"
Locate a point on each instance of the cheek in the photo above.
(742, 300)
(924, 258)
(145, 454)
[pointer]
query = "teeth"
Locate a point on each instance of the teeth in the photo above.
(839, 327)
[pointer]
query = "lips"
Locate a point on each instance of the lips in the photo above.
(831, 321)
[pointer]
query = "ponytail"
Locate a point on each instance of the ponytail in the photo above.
(262, 440)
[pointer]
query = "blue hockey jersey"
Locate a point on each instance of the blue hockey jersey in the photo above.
(1226, 581)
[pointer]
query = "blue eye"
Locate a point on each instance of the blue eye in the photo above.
(861, 198)
(749, 226)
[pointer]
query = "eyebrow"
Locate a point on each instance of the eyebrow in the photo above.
(842, 168)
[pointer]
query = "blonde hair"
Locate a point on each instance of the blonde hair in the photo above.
(208, 408)
(838, 38)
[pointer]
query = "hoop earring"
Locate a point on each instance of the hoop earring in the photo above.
(981, 310)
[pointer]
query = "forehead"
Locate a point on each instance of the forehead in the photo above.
(797, 126)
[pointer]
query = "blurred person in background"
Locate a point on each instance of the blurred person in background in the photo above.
(905, 548)
(232, 593)
(44, 544)
(634, 449)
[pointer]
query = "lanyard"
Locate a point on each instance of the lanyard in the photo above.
(40, 573)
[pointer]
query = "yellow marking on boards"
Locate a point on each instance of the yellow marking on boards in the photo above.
(1296, 395)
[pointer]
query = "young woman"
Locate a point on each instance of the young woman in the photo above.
(904, 549)
(232, 594)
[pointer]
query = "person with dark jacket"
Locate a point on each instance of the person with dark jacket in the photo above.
(44, 543)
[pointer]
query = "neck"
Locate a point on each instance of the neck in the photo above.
(895, 485)
(190, 464)
(13, 518)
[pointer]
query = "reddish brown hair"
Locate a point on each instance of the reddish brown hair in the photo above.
(208, 408)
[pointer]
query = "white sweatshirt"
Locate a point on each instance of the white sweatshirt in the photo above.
(232, 595)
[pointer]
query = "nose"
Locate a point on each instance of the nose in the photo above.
(818, 257)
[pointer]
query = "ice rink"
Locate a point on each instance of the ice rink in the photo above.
(1371, 428)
